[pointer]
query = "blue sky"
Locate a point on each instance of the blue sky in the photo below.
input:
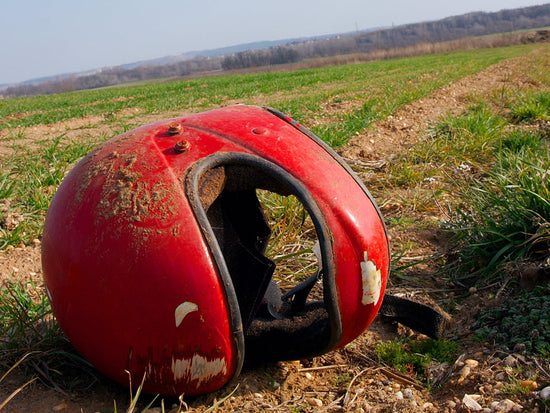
(43, 38)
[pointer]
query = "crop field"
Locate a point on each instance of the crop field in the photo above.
(454, 148)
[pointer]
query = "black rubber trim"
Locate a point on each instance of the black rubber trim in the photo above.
(304, 196)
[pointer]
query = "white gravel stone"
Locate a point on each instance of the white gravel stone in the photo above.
(505, 406)
(408, 394)
(315, 402)
(469, 402)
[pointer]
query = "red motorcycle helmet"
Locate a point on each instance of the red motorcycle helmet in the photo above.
(153, 250)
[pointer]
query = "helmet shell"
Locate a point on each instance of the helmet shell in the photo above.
(132, 277)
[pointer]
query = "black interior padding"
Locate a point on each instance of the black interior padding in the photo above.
(228, 195)
(242, 233)
(300, 336)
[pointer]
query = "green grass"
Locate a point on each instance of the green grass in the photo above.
(28, 180)
(386, 85)
(24, 319)
(535, 107)
(413, 356)
(488, 174)
(30, 338)
(292, 240)
(505, 208)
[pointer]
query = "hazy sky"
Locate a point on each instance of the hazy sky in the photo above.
(47, 37)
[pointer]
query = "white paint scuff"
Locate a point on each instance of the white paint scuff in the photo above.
(183, 309)
(198, 368)
(372, 281)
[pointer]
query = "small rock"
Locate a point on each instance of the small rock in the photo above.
(451, 404)
(463, 373)
(309, 376)
(544, 394)
(501, 376)
(315, 402)
(258, 395)
(11, 221)
(505, 406)
(408, 394)
(510, 361)
(427, 406)
(469, 402)
(486, 410)
(399, 395)
(472, 363)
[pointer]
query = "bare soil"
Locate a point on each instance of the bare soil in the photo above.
(350, 379)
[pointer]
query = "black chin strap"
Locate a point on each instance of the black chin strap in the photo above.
(419, 317)
(280, 306)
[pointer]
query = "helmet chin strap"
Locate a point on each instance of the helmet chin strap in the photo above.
(280, 306)
(417, 316)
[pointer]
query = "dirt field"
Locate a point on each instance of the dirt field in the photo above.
(350, 379)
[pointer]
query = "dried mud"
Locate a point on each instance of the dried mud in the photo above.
(346, 380)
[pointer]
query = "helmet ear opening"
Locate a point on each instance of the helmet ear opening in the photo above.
(276, 326)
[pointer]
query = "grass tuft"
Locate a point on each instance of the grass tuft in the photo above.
(29, 180)
(413, 357)
(292, 240)
(505, 212)
(535, 107)
(31, 339)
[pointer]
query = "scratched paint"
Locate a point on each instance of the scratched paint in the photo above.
(182, 310)
(48, 294)
(198, 368)
(372, 281)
